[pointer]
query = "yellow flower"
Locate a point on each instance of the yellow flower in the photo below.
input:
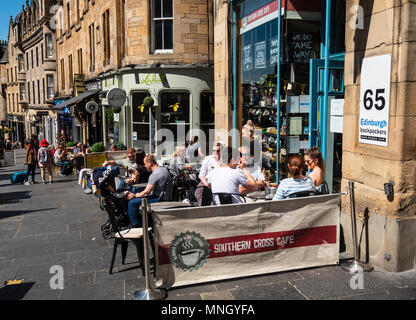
(141, 108)
(175, 106)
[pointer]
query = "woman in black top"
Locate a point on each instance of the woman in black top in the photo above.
(143, 174)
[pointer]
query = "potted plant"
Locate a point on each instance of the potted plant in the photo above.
(97, 147)
(69, 144)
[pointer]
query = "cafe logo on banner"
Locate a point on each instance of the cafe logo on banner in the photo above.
(189, 251)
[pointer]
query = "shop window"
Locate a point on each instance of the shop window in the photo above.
(141, 123)
(207, 113)
(258, 96)
(162, 26)
(174, 114)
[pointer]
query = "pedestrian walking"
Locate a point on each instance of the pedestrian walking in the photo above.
(45, 161)
(30, 161)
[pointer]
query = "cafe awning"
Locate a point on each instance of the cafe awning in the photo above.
(75, 100)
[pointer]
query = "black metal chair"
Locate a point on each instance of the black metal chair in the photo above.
(323, 189)
(122, 236)
(302, 194)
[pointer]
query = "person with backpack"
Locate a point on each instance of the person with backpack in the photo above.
(45, 161)
(30, 161)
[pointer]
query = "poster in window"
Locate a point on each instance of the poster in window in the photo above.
(304, 104)
(301, 47)
(295, 126)
(247, 58)
(260, 55)
(292, 104)
(274, 50)
(294, 145)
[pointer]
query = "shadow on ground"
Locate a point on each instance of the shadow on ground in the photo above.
(14, 213)
(14, 197)
(15, 292)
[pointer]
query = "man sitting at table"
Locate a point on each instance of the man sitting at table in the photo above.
(131, 166)
(225, 179)
(159, 188)
(61, 159)
(254, 170)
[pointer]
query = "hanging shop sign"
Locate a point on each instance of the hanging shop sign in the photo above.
(375, 100)
(91, 107)
(116, 97)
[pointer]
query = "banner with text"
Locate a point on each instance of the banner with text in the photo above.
(203, 244)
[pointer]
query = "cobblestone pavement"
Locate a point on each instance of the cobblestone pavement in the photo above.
(47, 225)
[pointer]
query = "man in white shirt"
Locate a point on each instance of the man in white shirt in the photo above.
(226, 179)
(254, 169)
(211, 162)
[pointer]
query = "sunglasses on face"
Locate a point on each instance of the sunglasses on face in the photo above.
(216, 151)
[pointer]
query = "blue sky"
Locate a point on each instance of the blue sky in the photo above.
(8, 8)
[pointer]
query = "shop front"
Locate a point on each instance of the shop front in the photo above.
(80, 118)
(164, 108)
(276, 54)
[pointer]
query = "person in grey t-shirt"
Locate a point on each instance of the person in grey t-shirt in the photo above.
(159, 188)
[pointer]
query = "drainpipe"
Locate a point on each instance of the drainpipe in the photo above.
(279, 27)
(234, 76)
(324, 114)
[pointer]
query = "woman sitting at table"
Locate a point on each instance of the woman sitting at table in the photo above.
(297, 183)
(315, 162)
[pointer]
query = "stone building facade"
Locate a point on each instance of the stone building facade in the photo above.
(4, 59)
(390, 222)
(36, 59)
(15, 78)
(386, 225)
(123, 44)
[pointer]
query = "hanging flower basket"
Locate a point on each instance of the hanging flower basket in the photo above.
(116, 109)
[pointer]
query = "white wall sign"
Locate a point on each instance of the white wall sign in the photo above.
(375, 100)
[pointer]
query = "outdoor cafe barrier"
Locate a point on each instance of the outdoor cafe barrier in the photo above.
(96, 159)
(203, 244)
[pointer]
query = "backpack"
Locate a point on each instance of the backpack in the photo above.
(18, 177)
(43, 158)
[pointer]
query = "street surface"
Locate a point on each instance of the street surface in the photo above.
(42, 226)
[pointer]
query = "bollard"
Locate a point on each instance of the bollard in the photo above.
(149, 293)
(355, 265)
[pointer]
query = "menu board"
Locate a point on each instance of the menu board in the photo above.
(9, 157)
(247, 58)
(301, 47)
(260, 55)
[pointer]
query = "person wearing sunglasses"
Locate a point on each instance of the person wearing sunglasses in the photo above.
(254, 169)
(316, 164)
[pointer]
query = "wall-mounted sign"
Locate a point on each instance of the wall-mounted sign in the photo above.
(375, 100)
(116, 97)
(150, 79)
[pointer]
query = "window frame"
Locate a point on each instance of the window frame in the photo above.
(153, 28)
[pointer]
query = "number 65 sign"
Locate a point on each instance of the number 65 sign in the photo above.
(375, 100)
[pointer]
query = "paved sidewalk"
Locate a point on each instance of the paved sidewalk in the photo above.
(46, 225)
